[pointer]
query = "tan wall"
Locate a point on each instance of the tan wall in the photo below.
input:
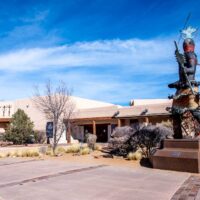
(31, 110)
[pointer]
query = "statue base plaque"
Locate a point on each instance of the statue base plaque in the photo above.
(179, 155)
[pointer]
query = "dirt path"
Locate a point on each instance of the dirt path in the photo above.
(96, 158)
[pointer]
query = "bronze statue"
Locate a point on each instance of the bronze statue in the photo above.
(185, 108)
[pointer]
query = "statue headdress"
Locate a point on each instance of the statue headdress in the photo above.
(188, 32)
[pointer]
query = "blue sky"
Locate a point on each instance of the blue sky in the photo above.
(109, 50)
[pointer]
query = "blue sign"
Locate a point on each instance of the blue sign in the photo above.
(49, 129)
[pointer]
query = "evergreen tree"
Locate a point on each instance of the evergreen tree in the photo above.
(20, 130)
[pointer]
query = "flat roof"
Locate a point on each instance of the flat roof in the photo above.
(123, 112)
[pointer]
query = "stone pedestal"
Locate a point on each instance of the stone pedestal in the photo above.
(184, 123)
(179, 155)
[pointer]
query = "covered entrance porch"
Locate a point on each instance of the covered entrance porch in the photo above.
(102, 128)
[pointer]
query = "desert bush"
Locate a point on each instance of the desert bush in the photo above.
(120, 141)
(148, 138)
(91, 140)
(20, 130)
(130, 139)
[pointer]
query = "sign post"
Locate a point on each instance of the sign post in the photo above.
(49, 131)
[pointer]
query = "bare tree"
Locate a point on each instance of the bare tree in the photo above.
(57, 106)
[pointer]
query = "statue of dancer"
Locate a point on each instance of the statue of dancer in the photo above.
(188, 63)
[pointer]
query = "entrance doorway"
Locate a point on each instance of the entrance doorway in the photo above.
(102, 132)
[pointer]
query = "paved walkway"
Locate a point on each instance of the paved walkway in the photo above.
(50, 180)
(190, 189)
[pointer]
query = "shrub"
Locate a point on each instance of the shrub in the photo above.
(130, 139)
(120, 141)
(148, 138)
(20, 130)
(91, 140)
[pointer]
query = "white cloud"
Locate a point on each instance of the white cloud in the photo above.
(111, 70)
(138, 55)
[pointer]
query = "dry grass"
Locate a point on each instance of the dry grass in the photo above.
(21, 153)
(73, 149)
(85, 151)
(49, 152)
(95, 157)
(134, 155)
(97, 147)
(28, 153)
(60, 150)
(2, 155)
(81, 149)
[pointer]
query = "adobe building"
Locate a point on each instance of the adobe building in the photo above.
(102, 121)
(91, 116)
(8, 108)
